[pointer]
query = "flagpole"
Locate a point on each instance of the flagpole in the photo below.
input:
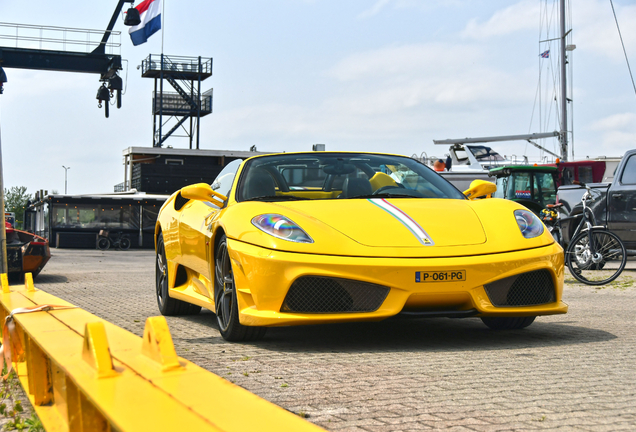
(163, 21)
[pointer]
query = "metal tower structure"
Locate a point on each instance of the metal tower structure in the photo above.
(66, 50)
(172, 109)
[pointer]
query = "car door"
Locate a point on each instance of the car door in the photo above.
(195, 223)
(622, 204)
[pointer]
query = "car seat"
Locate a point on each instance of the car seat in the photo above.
(258, 183)
(353, 186)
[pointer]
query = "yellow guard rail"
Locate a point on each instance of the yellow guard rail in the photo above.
(84, 374)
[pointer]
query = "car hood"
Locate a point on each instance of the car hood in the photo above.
(398, 222)
(388, 228)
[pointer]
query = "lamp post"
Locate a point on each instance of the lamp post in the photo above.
(65, 172)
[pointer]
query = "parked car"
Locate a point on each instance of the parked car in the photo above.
(614, 203)
(326, 237)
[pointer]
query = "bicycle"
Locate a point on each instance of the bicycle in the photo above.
(595, 256)
(117, 240)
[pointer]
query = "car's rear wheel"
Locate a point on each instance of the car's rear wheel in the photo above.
(167, 305)
(225, 302)
(508, 323)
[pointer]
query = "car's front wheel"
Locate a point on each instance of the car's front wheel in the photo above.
(167, 305)
(225, 302)
(508, 323)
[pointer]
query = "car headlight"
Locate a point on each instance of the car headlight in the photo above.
(529, 223)
(281, 227)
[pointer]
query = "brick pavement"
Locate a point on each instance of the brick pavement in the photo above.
(567, 372)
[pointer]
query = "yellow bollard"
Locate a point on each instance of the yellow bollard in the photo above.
(158, 344)
(28, 282)
(5, 283)
(96, 351)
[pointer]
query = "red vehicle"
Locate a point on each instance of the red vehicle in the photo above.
(586, 171)
(26, 252)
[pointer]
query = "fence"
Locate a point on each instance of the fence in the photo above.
(83, 374)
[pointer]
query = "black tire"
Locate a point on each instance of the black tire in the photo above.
(225, 302)
(103, 243)
(167, 305)
(508, 323)
(124, 243)
(606, 267)
(556, 235)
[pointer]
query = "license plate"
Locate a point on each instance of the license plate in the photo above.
(441, 276)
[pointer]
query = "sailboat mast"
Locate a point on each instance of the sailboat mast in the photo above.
(564, 101)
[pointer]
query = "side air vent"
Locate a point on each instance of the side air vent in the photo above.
(179, 202)
(316, 294)
(526, 289)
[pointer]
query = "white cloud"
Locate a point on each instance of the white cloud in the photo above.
(408, 61)
(595, 29)
(436, 72)
(387, 96)
(373, 10)
(616, 121)
(380, 5)
(613, 136)
(520, 16)
(593, 25)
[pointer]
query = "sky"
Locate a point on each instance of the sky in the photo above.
(374, 75)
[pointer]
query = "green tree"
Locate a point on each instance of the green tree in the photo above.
(15, 200)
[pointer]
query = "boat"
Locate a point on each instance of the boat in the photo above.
(26, 253)
(466, 162)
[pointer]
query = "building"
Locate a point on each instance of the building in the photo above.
(151, 175)
(74, 221)
(157, 170)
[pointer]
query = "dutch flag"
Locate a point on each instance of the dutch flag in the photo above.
(150, 13)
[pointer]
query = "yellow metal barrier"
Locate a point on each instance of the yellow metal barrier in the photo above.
(84, 374)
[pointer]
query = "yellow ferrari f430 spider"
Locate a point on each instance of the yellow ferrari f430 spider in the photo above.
(327, 237)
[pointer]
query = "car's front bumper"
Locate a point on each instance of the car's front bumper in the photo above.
(263, 278)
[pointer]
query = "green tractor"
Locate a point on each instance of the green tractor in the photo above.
(532, 186)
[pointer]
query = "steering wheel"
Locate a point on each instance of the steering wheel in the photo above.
(383, 188)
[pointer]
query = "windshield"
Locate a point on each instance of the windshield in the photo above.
(536, 186)
(339, 176)
(485, 154)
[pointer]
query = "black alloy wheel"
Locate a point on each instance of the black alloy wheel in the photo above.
(225, 299)
(161, 274)
(167, 305)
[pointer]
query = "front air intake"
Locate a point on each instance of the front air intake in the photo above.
(317, 294)
(525, 289)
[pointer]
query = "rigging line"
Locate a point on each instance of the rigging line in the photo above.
(571, 80)
(537, 94)
(550, 18)
(553, 96)
(544, 21)
(625, 52)
(126, 80)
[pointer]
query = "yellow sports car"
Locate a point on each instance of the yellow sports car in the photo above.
(326, 237)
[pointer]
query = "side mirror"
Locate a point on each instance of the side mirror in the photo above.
(203, 192)
(480, 188)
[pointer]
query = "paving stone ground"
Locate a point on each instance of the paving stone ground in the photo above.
(568, 372)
